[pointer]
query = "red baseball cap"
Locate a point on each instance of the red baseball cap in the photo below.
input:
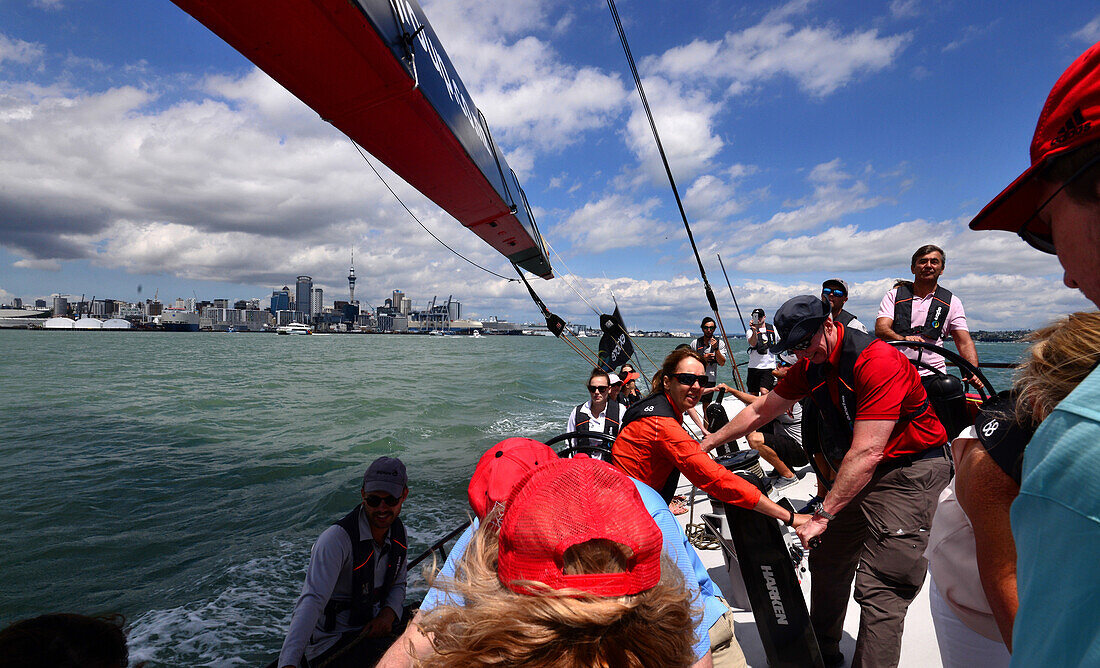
(1069, 120)
(631, 375)
(501, 467)
(569, 502)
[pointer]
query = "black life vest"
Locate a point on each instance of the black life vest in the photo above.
(835, 421)
(933, 323)
(612, 416)
(704, 348)
(764, 340)
(844, 317)
(656, 405)
(364, 595)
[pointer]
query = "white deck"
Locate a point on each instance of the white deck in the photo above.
(918, 647)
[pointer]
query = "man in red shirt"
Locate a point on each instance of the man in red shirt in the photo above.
(886, 444)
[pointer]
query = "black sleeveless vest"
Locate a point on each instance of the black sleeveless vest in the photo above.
(937, 312)
(656, 405)
(837, 420)
(763, 341)
(364, 595)
(844, 317)
(612, 416)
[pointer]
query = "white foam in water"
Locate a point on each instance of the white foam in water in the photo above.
(526, 425)
(243, 625)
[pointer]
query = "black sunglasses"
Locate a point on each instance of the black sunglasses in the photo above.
(1044, 241)
(690, 379)
(803, 344)
(375, 501)
(833, 291)
(599, 388)
(706, 327)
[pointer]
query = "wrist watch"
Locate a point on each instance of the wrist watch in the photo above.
(819, 510)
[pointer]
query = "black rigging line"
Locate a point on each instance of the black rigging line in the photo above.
(672, 181)
(741, 317)
(399, 201)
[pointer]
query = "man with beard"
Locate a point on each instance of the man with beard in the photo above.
(355, 584)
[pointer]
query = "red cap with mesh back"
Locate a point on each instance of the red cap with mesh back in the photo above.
(569, 502)
(501, 467)
(1069, 120)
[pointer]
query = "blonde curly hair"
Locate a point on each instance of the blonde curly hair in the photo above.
(1064, 352)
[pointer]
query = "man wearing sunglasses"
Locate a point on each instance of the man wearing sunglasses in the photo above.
(922, 310)
(598, 414)
(835, 291)
(355, 584)
(762, 362)
(713, 351)
(1055, 207)
(887, 446)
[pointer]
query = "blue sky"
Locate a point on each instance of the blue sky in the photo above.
(809, 140)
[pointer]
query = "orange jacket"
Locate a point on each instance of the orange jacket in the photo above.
(653, 442)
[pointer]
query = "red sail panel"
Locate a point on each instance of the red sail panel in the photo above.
(331, 55)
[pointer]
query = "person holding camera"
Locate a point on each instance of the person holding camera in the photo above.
(761, 337)
(713, 351)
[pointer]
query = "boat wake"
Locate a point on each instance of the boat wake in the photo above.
(241, 625)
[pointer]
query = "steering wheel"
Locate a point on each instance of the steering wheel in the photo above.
(984, 392)
(601, 451)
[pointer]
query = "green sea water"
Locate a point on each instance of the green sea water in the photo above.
(181, 478)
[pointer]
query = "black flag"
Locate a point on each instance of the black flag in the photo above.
(615, 345)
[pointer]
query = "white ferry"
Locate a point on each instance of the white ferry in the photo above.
(294, 328)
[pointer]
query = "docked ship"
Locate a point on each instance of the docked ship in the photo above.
(179, 320)
(22, 318)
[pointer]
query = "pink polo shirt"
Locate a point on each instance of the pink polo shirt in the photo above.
(956, 320)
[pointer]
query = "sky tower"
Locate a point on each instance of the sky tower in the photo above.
(351, 280)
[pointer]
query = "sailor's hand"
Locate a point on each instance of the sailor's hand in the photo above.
(381, 625)
(800, 519)
(811, 529)
(915, 338)
(973, 380)
(709, 442)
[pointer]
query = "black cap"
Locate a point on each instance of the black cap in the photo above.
(758, 311)
(386, 474)
(798, 318)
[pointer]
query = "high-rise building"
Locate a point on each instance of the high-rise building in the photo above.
(397, 297)
(351, 280)
(60, 305)
(221, 303)
(316, 301)
(406, 305)
(40, 303)
(280, 300)
(302, 290)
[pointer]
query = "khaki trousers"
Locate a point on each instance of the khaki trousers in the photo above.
(879, 538)
(724, 650)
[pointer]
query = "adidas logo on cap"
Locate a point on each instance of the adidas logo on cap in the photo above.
(1075, 125)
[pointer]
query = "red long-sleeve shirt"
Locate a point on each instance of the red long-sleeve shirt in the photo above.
(650, 447)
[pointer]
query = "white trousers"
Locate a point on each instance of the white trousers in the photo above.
(961, 646)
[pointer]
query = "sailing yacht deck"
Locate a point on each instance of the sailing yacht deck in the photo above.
(918, 647)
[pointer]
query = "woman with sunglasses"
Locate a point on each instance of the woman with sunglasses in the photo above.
(654, 447)
(598, 414)
(630, 394)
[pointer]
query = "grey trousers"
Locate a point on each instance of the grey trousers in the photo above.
(883, 531)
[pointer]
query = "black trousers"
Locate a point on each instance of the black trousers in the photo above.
(759, 378)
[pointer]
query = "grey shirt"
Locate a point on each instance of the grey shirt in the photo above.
(329, 576)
